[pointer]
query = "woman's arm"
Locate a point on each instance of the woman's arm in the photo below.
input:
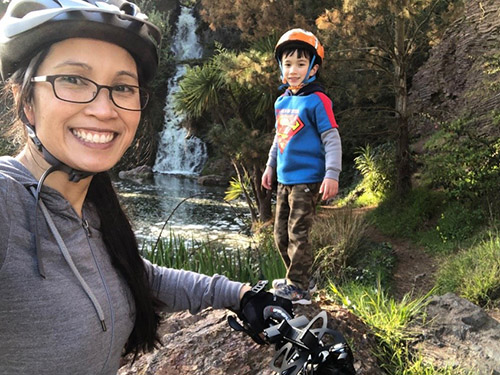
(185, 290)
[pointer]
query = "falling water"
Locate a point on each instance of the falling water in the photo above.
(179, 153)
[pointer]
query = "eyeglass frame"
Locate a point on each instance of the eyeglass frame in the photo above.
(143, 93)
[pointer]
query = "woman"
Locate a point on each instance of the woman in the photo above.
(74, 292)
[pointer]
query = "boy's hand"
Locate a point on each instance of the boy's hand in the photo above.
(267, 177)
(329, 188)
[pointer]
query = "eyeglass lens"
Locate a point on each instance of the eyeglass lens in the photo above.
(83, 90)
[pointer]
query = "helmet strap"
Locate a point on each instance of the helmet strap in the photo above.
(74, 175)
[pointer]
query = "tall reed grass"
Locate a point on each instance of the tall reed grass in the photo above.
(209, 258)
(337, 237)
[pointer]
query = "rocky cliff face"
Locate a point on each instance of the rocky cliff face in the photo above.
(462, 74)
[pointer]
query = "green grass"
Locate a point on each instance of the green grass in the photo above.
(474, 274)
(338, 239)
(390, 321)
(407, 217)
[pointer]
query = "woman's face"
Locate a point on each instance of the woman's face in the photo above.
(91, 136)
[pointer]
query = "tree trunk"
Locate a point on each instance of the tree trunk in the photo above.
(263, 195)
(403, 159)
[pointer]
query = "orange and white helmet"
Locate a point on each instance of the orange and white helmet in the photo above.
(300, 39)
(303, 39)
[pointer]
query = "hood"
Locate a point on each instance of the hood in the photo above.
(14, 169)
(306, 90)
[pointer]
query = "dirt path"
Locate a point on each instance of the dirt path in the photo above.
(414, 270)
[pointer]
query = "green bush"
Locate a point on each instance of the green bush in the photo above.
(465, 161)
(458, 222)
(377, 169)
(374, 261)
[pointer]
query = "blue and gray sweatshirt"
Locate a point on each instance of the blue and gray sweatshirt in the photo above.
(51, 326)
(306, 147)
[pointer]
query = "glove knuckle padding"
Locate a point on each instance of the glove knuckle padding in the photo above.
(253, 305)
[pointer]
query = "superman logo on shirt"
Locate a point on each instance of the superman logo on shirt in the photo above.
(287, 126)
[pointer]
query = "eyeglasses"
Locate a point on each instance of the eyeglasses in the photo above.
(77, 89)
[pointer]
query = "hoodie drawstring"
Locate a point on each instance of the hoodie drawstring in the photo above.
(65, 253)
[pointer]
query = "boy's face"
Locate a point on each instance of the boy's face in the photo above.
(295, 69)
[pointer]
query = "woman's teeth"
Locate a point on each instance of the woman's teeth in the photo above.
(91, 137)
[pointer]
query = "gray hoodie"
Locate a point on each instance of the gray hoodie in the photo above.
(51, 326)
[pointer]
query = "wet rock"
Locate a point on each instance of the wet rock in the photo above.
(138, 174)
(213, 180)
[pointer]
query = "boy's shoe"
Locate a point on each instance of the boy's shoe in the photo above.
(294, 294)
(277, 283)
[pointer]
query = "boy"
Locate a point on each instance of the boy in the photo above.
(306, 154)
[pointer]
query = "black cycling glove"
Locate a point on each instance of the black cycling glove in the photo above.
(260, 310)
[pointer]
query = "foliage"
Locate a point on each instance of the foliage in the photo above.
(389, 321)
(374, 261)
(409, 216)
(236, 188)
(233, 94)
(210, 258)
(474, 274)
(377, 169)
(271, 264)
(378, 45)
(464, 161)
(336, 239)
(255, 19)
(459, 222)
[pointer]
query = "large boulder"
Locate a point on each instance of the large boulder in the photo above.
(459, 333)
(204, 344)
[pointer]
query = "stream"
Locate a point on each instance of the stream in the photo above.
(194, 212)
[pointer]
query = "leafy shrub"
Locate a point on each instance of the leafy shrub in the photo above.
(374, 261)
(458, 222)
(465, 161)
(377, 169)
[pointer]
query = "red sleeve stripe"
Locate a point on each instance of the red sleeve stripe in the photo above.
(327, 103)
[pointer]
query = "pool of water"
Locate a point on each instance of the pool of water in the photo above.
(179, 204)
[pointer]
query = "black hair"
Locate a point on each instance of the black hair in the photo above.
(123, 250)
(302, 51)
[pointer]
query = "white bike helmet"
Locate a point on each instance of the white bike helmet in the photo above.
(29, 26)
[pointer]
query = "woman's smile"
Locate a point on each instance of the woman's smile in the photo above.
(94, 137)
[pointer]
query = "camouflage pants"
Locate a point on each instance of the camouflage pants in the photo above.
(295, 209)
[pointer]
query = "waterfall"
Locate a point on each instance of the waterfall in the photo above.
(178, 153)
